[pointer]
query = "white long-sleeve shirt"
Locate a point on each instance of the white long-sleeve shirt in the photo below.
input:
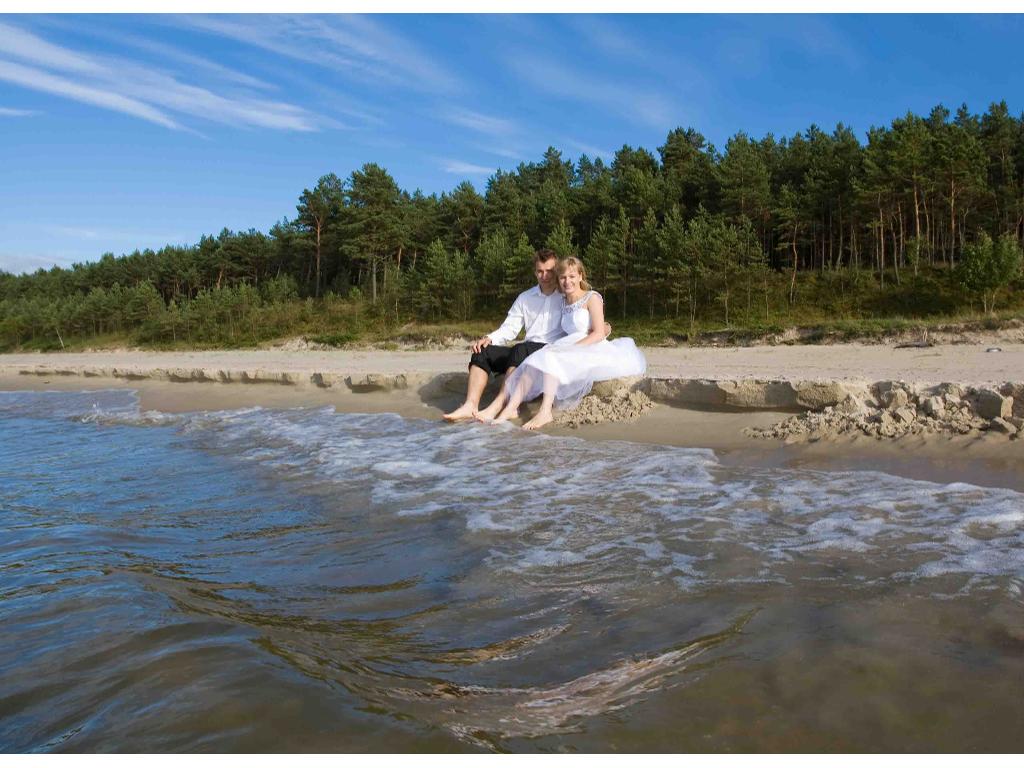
(541, 316)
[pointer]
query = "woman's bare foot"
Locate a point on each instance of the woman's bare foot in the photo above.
(506, 414)
(542, 419)
(463, 412)
(490, 412)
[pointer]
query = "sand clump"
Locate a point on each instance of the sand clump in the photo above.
(895, 408)
(615, 400)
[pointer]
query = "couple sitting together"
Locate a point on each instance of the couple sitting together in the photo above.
(565, 351)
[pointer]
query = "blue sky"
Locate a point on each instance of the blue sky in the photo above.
(124, 132)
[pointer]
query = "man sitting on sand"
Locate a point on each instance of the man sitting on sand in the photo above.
(539, 310)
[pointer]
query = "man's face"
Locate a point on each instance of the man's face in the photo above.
(545, 272)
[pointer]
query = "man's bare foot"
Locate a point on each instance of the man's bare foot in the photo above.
(490, 412)
(506, 414)
(463, 412)
(542, 419)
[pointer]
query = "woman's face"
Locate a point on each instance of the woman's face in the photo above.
(569, 281)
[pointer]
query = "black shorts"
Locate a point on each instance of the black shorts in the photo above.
(496, 359)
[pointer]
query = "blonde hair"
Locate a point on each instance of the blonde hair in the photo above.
(569, 262)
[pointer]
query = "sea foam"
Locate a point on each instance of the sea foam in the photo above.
(559, 504)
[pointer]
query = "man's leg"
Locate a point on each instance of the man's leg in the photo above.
(495, 407)
(481, 365)
(474, 390)
(519, 353)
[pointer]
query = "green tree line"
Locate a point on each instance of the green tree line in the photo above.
(928, 211)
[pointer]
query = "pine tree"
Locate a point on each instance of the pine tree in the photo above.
(561, 240)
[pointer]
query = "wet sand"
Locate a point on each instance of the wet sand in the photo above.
(985, 459)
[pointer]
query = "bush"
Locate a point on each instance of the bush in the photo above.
(280, 290)
(986, 267)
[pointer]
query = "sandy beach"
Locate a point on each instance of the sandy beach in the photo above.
(967, 364)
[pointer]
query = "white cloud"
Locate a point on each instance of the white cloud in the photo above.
(395, 51)
(139, 90)
(638, 105)
(607, 36)
(458, 166)
(17, 263)
(750, 46)
(115, 237)
(161, 89)
(24, 45)
(283, 38)
(506, 152)
(168, 53)
(590, 150)
(610, 38)
(30, 77)
(76, 244)
(820, 38)
(11, 112)
(350, 46)
(479, 122)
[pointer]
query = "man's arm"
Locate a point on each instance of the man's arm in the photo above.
(514, 322)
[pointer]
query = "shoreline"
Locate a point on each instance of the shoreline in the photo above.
(687, 412)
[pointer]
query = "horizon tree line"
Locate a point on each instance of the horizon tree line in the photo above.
(677, 234)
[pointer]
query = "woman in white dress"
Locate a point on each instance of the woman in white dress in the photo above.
(565, 370)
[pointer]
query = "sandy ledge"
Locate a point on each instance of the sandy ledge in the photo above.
(962, 363)
(704, 397)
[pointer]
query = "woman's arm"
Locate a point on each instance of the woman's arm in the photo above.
(595, 306)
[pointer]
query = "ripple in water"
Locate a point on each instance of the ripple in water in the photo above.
(302, 579)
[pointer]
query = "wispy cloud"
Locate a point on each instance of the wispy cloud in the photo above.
(590, 150)
(11, 112)
(28, 262)
(26, 46)
(114, 236)
(137, 89)
(35, 79)
(458, 166)
(69, 245)
(396, 51)
(479, 122)
(639, 105)
(749, 46)
(165, 52)
(350, 46)
(609, 37)
(506, 152)
(822, 40)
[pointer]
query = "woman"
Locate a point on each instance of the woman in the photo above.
(565, 370)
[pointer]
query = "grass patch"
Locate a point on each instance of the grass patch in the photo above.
(339, 339)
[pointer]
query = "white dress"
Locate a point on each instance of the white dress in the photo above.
(575, 366)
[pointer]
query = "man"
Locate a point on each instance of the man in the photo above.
(539, 311)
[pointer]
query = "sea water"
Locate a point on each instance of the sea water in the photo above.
(306, 580)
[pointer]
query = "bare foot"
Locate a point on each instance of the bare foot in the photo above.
(505, 415)
(490, 412)
(542, 419)
(463, 412)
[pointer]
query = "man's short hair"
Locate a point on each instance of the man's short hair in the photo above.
(544, 254)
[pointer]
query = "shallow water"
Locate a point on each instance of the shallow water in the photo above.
(296, 580)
